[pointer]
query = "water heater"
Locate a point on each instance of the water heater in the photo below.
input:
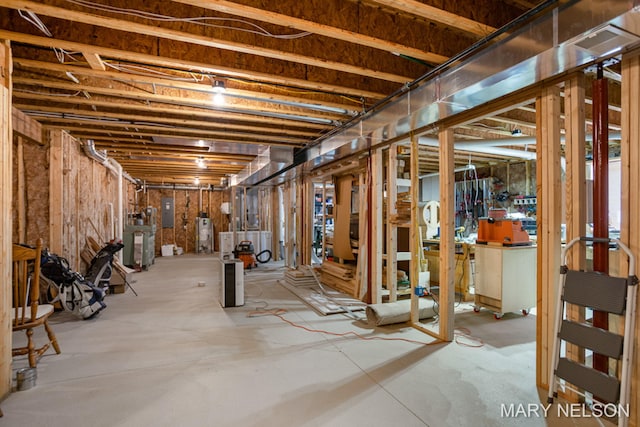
(204, 235)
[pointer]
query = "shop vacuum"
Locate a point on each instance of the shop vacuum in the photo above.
(246, 252)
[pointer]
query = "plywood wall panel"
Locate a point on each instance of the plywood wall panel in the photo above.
(185, 216)
(37, 191)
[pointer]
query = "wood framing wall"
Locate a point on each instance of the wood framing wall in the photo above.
(5, 218)
(549, 225)
(630, 212)
(187, 205)
(83, 197)
(575, 192)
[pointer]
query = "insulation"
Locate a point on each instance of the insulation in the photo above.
(398, 312)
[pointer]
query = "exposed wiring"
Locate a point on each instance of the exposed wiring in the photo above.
(200, 20)
(279, 313)
(33, 19)
(47, 93)
(150, 72)
(462, 334)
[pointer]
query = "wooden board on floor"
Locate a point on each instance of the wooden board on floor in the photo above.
(325, 302)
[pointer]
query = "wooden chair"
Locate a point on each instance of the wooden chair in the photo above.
(26, 312)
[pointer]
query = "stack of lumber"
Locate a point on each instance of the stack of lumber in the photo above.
(403, 207)
(120, 276)
(300, 277)
(322, 299)
(341, 277)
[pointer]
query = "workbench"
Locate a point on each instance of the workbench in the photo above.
(463, 278)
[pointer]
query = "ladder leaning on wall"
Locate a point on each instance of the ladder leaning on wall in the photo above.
(597, 291)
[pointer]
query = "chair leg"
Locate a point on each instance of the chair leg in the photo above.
(30, 348)
(52, 337)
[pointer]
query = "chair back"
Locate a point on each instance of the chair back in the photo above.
(26, 282)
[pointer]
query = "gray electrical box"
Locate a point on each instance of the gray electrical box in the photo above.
(167, 212)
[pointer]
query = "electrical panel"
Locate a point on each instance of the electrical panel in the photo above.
(167, 212)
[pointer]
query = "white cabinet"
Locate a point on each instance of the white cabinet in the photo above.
(505, 278)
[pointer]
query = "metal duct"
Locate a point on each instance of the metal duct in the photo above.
(550, 45)
(271, 161)
(180, 187)
(89, 148)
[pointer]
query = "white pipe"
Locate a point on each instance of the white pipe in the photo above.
(483, 147)
(119, 220)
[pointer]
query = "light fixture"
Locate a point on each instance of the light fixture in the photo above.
(218, 86)
(218, 99)
(200, 162)
(219, 90)
(196, 181)
(516, 132)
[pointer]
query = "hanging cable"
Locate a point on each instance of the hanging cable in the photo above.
(193, 20)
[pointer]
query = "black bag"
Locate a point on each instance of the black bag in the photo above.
(55, 268)
(76, 294)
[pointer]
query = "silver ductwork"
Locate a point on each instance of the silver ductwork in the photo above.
(89, 148)
(573, 36)
(269, 162)
(182, 187)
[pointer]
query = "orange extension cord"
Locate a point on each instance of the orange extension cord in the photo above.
(279, 313)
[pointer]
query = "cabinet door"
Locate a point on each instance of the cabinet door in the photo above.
(488, 263)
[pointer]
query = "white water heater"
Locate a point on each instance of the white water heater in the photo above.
(204, 236)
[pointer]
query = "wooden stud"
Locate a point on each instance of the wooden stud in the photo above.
(447, 235)
(56, 190)
(307, 222)
(549, 223)
(22, 208)
(630, 209)
(574, 99)
(94, 61)
(299, 222)
(392, 230)
(377, 188)
(6, 185)
(364, 244)
(414, 244)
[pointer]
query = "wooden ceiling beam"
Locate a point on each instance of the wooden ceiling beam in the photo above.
(440, 16)
(95, 132)
(249, 12)
(158, 131)
(178, 152)
(198, 112)
(130, 26)
(302, 99)
(181, 64)
(67, 113)
(177, 98)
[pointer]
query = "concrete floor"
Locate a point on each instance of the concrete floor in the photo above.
(173, 357)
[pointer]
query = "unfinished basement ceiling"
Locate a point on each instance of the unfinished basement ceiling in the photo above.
(139, 78)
